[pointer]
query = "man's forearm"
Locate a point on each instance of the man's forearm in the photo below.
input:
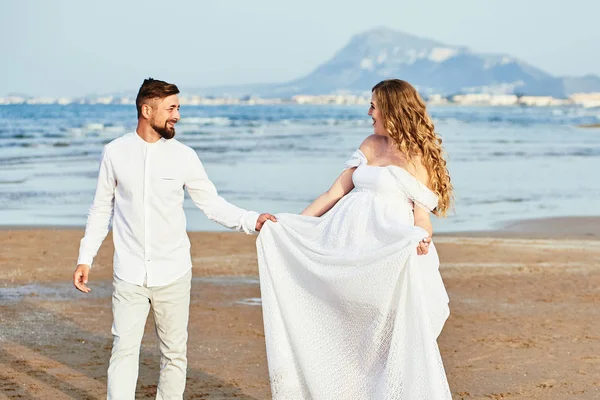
(219, 210)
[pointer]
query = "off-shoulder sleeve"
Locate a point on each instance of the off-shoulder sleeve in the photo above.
(425, 198)
(358, 158)
(420, 194)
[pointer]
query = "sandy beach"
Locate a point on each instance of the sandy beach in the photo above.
(524, 324)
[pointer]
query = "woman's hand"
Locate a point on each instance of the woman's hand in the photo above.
(423, 247)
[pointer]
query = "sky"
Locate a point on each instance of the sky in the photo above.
(75, 48)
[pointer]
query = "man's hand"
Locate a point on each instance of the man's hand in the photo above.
(80, 277)
(262, 218)
(423, 247)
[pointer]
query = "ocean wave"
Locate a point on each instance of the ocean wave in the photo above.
(6, 181)
(583, 152)
(503, 200)
(36, 158)
(205, 121)
(483, 155)
(46, 197)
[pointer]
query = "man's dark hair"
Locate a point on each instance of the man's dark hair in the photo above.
(153, 89)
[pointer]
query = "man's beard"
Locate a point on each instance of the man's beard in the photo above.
(163, 131)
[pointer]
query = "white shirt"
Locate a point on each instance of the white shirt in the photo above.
(140, 186)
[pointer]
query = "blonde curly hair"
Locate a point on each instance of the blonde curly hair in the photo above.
(408, 124)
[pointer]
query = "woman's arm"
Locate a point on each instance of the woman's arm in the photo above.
(422, 219)
(342, 185)
(421, 214)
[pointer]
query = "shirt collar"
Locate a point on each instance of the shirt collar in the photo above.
(142, 141)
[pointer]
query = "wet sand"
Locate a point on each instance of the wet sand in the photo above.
(524, 324)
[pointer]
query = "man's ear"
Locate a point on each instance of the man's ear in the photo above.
(146, 111)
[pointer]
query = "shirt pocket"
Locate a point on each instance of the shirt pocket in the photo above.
(168, 188)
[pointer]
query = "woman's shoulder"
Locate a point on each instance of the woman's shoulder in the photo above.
(373, 140)
(370, 144)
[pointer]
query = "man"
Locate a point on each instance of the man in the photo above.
(141, 187)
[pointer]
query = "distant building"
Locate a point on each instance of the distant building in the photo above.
(472, 99)
(504, 100)
(587, 100)
(63, 101)
(437, 99)
(542, 101)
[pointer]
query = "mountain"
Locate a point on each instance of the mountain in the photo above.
(432, 66)
(582, 84)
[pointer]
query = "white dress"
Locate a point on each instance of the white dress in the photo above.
(350, 310)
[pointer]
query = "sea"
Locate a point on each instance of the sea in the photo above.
(506, 163)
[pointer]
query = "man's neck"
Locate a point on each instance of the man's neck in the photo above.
(147, 133)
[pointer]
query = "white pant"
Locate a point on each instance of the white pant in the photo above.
(171, 307)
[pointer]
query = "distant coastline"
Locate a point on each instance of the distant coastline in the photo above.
(586, 100)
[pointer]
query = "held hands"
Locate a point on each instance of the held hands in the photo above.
(80, 277)
(262, 218)
(423, 246)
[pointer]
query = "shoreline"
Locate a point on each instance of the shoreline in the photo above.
(564, 227)
(536, 228)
